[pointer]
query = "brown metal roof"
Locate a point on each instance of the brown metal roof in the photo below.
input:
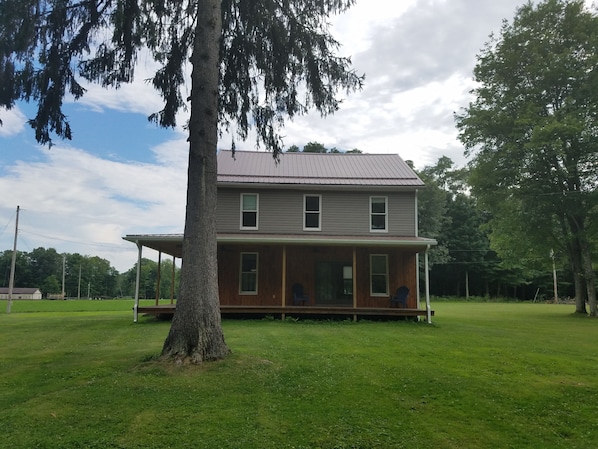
(384, 170)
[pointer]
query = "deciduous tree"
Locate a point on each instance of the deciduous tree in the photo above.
(432, 217)
(533, 129)
(315, 147)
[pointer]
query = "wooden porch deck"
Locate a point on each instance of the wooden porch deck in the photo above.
(296, 311)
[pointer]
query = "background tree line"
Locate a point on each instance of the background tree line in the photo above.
(317, 147)
(85, 276)
(475, 256)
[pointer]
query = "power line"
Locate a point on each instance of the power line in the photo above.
(9, 222)
(94, 244)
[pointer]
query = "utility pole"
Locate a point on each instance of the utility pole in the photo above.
(554, 279)
(467, 284)
(11, 282)
(63, 271)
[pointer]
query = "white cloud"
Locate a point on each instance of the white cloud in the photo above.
(138, 96)
(353, 29)
(82, 201)
(13, 121)
(418, 58)
(173, 154)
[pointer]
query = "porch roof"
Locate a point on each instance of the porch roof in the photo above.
(172, 244)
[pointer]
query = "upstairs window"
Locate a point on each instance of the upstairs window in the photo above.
(248, 278)
(378, 214)
(249, 210)
(378, 274)
(312, 212)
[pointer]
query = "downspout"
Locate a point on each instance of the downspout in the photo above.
(417, 279)
(428, 308)
(137, 281)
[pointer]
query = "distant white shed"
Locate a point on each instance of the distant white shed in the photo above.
(21, 293)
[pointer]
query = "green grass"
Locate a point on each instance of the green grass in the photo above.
(80, 374)
(82, 305)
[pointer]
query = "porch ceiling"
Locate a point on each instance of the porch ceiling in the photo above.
(172, 244)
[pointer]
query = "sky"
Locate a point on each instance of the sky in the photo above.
(122, 175)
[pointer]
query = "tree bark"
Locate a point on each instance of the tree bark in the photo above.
(580, 290)
(588, 274)
(582, 260)
(196, 331)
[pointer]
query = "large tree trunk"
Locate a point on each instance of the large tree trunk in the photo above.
(196, 331)
(572, 246)
(580, 293)
(578, 278)
(583, 260)
(588, 272)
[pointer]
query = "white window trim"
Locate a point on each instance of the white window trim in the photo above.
(319, 228)
(372, 275)
(385, 214)
(257, 264)
(257, 212)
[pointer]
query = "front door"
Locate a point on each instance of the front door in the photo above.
(334, 284)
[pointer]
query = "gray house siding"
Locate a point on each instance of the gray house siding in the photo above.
(342, 213)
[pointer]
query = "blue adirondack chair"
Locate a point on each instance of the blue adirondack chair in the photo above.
(400, 298)
(298, 297)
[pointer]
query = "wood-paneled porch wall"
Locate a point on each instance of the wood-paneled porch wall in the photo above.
(269, 275)
(402, 270)
(300, 268)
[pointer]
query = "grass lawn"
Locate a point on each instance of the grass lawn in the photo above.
(81, 374)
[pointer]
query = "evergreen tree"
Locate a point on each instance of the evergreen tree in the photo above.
(252, 63)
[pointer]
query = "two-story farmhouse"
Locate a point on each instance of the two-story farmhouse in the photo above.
(314, 233)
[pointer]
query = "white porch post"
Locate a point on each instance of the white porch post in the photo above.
(159, 278)
(283, 293)
(428, 308)
(172, 280)
(417, 279)
(137, 281)
(354, 280)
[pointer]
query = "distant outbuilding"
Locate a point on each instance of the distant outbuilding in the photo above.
(21, 293)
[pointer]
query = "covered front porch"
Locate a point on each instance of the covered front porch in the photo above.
(339, 276)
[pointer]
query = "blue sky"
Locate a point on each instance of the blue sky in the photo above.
(122, 175)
